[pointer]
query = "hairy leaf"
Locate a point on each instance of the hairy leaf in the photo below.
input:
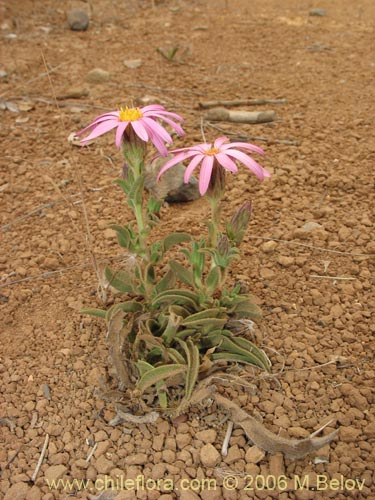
(120, 280)
(175, 239)
(155, 375)
(166, 283)
(182, 273)
(213, 280)
(181, 297)
(99, 313)
(123, 235)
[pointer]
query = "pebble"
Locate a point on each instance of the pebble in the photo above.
(285, 261)
(269, 246)
(171, 186)
(234, 454)
(276, 464)
(254, 455)
(209, 456)
(370, 430)
(98, 75)
(103, 465)
(206, 436)
(78, 20)
(317, 12)
(55, 472)
(349, 434)
(133, 63)
(354, 397)
(17, 491)
(183, 440)
(137, 459)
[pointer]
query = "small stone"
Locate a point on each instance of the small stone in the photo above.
(171, 186)
(354, 397)
(54, 473)
(209, 456)
(206, 436)
(34, 494)
(370, 430)
(137, 459)
(97, 75)
(349, 434)
(102, 448)
(183, 440)
(269, 246)
(254, 455)
(317, 12)
(17, 491)
(266, 273)
(133, 63)
(285, 261)
(103, 465)
(109, 234)
(234, 454)
(276, 464)
(78, 20)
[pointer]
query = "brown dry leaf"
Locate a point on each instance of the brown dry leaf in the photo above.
(267, 440)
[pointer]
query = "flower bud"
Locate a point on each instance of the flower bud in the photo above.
(223, 246)
(237, 226)
(216, 186)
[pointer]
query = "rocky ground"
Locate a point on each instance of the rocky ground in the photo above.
(309, 254)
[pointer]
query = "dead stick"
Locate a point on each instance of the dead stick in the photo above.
(240, 137)
(240, 102)
(38, 465)
(225, 115)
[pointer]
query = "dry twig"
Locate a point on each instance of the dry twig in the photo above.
(40, 461)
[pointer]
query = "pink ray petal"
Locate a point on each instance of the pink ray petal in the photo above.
(244, 145)
(156, 129)
(152, 107)
(163, 114)
(174, 125)
(158, 143)
(205, 174)
(226, 162)
(101, 129)
(140, 130)
(167, 165)
(192, 165)
(259, 171)
(220, 141)
(120, 132)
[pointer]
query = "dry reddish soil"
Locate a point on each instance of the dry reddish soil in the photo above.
(314, 282)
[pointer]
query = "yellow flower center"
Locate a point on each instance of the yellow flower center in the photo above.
(129, 114)
(212, 151)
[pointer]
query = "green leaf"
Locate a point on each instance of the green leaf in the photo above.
(182, 297)
(155, 375)
(215, 312)
(99, 313)
(255, 356)
(175, 239)
(131, 306)
(193, 359)
(183, 274)
(175, 356)
(247, 309)
(166, 283)
(123, 235)
(120, 280)
(213, 280)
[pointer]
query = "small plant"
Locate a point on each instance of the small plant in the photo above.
(179, 316)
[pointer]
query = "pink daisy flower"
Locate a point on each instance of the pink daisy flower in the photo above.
(222, 154)
(140, 121)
